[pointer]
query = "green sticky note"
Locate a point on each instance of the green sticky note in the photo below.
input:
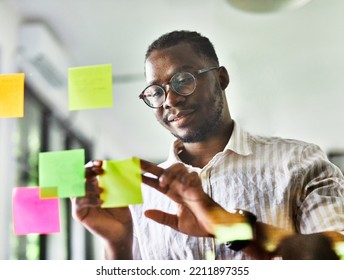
(228, 233)
(121, 183)
(12, 95)
(90, 87)
(63, 170)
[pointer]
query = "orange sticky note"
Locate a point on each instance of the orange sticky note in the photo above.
(12, 95)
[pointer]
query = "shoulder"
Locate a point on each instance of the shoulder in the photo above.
(280, 141)
(271, 140)
(268, 142)
(286, 147)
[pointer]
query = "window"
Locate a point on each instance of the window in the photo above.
(39, 131)
(337, 157)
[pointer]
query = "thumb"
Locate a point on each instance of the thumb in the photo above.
(163, 218)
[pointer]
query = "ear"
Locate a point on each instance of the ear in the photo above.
(223, 77)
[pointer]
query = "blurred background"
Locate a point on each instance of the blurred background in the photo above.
(285, 59)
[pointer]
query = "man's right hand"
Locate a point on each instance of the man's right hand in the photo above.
(113, 225)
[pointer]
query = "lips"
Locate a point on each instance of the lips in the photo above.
(179, 117)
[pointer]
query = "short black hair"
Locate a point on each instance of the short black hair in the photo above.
(199, 43)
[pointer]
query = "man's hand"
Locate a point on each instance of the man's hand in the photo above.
(113, 225)
(314, 246)
(195, 208)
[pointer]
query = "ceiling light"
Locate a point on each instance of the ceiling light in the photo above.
(265, 6)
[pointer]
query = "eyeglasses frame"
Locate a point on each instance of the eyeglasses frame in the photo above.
(194, 74)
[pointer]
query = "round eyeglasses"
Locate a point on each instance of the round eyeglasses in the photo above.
(182, 83)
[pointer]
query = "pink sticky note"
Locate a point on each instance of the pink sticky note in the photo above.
(31, 214)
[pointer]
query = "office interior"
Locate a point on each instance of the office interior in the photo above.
(285, 64)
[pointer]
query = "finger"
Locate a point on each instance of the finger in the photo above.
(150, 167)
(93, 168)
(163, 218)
(174, 172)
(92, 184)
(89, 201)
(82, 206)
(154, 183)
(192, 179)
(92, 188)
(150, 181)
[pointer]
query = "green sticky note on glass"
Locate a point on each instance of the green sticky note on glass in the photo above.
(90, 87)
(63, 170)
(121, 183)
(232, 232)
(12, 95)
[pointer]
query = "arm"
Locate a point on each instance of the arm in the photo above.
(112, 225)
(198, 214)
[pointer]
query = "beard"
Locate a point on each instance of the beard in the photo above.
(210, 125)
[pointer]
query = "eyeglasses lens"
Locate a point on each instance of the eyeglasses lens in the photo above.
(154, 96)
(183, 83)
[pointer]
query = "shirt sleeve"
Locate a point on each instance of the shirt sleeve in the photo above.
(321, 201)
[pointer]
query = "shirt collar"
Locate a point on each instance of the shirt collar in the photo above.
(239, 141)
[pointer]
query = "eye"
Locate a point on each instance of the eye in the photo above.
(183, 83)
(153, 92)
(183, 78)
(157, 94)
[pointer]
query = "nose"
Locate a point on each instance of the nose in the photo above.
(172, 98)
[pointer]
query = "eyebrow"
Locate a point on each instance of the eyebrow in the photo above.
(183, 68)
(178, 70)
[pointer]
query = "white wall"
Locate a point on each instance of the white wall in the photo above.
(8, 40)
(286, 72)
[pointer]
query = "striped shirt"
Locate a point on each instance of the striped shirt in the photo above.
(287, 183)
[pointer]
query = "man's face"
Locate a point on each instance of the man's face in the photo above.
(192, 118)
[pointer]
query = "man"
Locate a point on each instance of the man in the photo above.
(289, 186)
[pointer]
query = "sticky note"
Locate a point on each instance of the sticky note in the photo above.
(232, 232)
(32, 214)
(90, 87)
(63, 170)
(339, 249)
(12, 95)
(48, 192)
(121, 183)
(210, 255)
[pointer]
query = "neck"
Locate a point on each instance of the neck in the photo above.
(200, 153)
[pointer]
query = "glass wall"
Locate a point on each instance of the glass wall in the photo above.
(40, 131)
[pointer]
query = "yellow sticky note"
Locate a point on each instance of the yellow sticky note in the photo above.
(210, 255)
(232, 232)
(90, 87)
(121, 183)
(48, 192)
(12, 95)
(339, 249)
